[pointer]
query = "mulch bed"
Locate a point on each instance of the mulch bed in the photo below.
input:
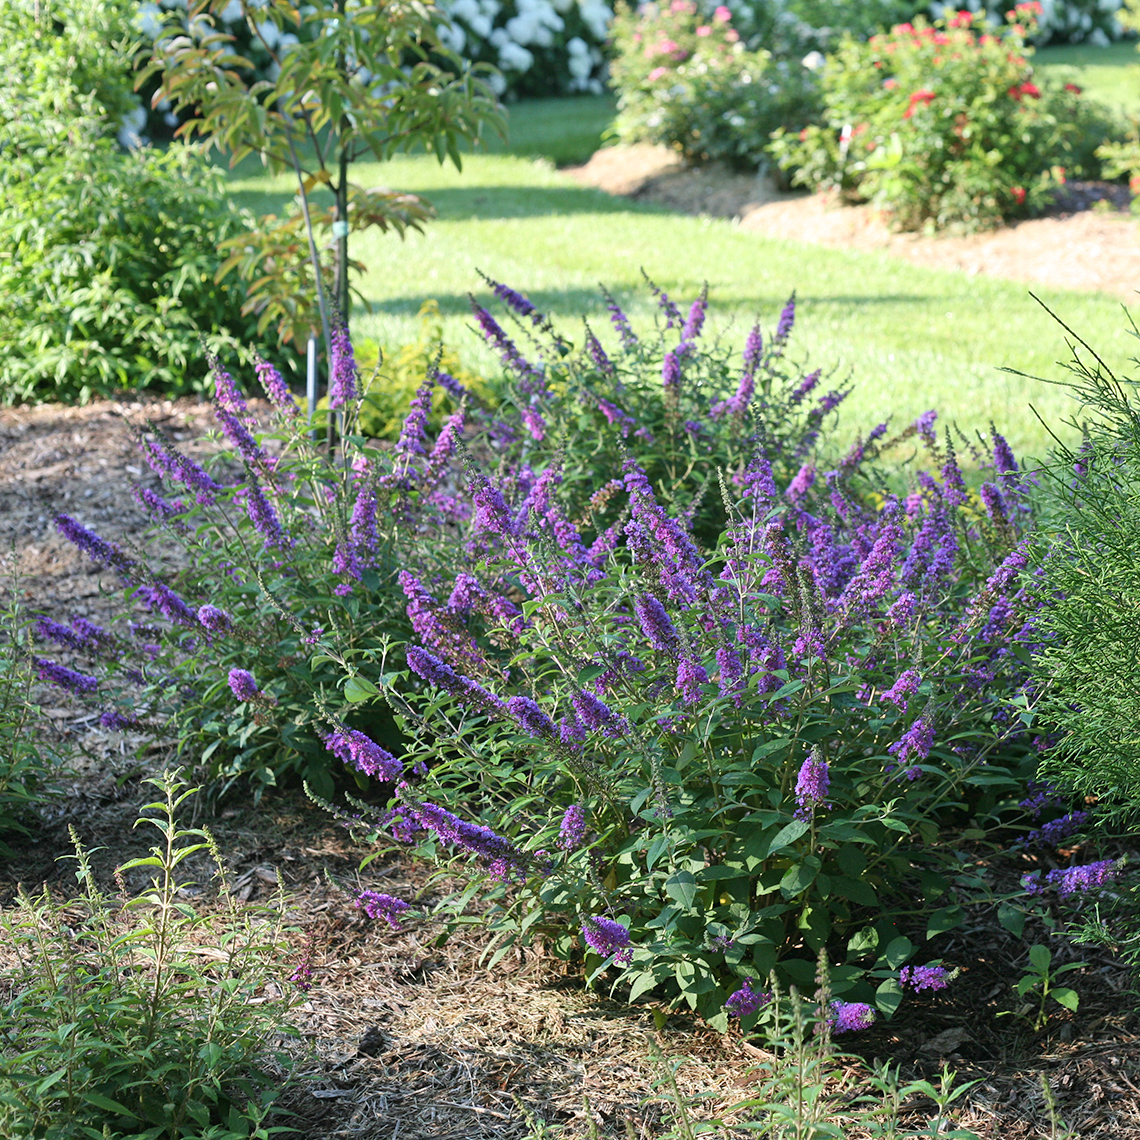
(404, 1038)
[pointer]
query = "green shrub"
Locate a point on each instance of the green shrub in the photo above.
(945, 124)
(26, 763)
(686, 80)
(130, 1017)
(107, 279)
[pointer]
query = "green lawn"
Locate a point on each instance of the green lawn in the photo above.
(1110, 74)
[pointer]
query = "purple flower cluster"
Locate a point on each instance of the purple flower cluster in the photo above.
(532, 379)
(1058, 830)
(377, 905)
(162, 599)
(573, 830)
(95, 547)
(64, 677)
(170, 464)
(812, 784)
(363, 753)
(162, 509)
(443, 676)
(275, 387)
(746, 1001)
(531, 718)
(904, 687)
(621, 323)
(82, 634)
(924, 977)
(786, 321)
(243, 686)
(504, 859)
(850, 1017)
(915, 745)
(606, 937)
(343, 373)
(117, 721)
(215, 620)
(1073, 880)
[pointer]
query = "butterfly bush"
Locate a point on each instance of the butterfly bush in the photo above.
(694, 693)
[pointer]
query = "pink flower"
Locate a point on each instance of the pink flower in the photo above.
(722, 15)
(657, 73)
(704, 30)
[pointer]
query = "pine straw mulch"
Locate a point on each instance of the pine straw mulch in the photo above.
(404, 1039)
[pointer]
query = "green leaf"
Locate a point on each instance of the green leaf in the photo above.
(888, 997)
(643, 983)
(787, 835)
(799, 876)
(897, 952)
(1068, 998)
(1040, 957)
(1011, 918)
(682, 889)
(357, 689)
(108, 1105)
(945, 919)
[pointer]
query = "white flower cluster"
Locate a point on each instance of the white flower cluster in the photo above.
(506, 34)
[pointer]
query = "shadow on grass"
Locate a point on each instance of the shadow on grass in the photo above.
(483, 202)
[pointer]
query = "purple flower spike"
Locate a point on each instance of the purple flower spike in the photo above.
(696, 319)
(690, 677)
(753, 349)
(594, 714)
(656, 624)
(214, 619)
(850, 1017)
(573, 829)
(915, 744)
(364, 754)
(606, 937)
(413, 434)
(64, 677)
(924, 977)
(343, 371)
(377, 905)
(906, 686)
(812, 784)
(598, 354)
(1083, 878)
(243, 686)
(164, 600)
(95, 547)
(439, 673)
(621, 323)
(746, 1001)
(786, 321)
(225, 390)
(275, 387)
(117, 721)
(671, 373)
(531, 718)
(505, 859)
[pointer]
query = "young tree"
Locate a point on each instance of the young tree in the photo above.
(347, 78)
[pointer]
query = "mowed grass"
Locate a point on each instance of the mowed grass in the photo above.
(1110, 74)
(908, 338)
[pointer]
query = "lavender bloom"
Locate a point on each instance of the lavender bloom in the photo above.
(690, 678)
(505, 859)
(746, 1001)
(117, 721)
(606, 937)
(915, 744)
(812, 784)
(437, 672)
(849, 1017)
(730, 672)
(1083, 878)
(225, 389)
(696, 319)
(1004, 462)
(1041, 796)
(595, 715)
(531, 718)
(616, 416)
(363, 521)
(515, 300)
(671, 373)
(806, 386)
(753, 349)
(573, 829)
(238, 434)
(1058, 830)
(924, 977)
(621, 323)
(902, 608)
(906, 686)
(1012, 565)
(413, 434)
(491, 512)
(95, 547)
(377, 905)
(214, 619)
(444, 448)
(598, 354)
(70, 637)
(466, 594)
(243, 686)
(343, 371)
(531, 378)
(157, 505)
(924, 425)
(263, 516)
(64, 677)
(993, 502)
(533, 422)
(174, 465)
(449, 384)
(787, 320)
(737, 403)
(361, 752)
(802, 483)
(672, 313)
(275, 387)
(162, 598)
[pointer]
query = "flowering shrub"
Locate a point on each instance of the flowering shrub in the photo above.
(945, 123)
(685, 78)
(704, 752)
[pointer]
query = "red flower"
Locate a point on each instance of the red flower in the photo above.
(1018, 193)
(1030, 89)
(1074, 89)
(923, 96)
(890, 84)
(962, 19)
